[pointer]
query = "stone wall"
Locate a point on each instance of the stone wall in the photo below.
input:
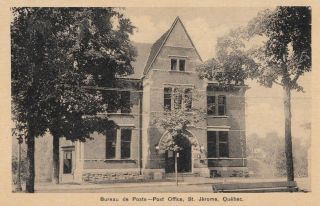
(112, 176)
(229, 172)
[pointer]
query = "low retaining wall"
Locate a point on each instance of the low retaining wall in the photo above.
(112, 176)
(229, 172)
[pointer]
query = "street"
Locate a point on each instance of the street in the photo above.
(191, 184)
(147, 189)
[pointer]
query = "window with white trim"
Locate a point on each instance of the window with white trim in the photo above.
(177, 98)
(182, 64)
(67, 162)
(126, 143)
(167, 98)
(221, 105)
(217, 144)
(118, 143)
(216, 105)
(178, 64)
(174, 63)
(111, 143)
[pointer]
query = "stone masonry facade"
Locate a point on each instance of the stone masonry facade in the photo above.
(130, 153)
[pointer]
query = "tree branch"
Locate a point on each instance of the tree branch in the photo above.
(278, 83)
(294, 80)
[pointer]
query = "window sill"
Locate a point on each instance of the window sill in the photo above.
(217, 116)
(176, 71)
(118, 113)
(113, 160)
(225, 158)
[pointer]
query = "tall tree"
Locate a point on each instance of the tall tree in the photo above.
(283, 57)
(31, 80)
(75, 48)
(102, 51)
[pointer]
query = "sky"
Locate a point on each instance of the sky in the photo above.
(264, 106)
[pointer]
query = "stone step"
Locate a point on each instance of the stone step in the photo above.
(181, 175)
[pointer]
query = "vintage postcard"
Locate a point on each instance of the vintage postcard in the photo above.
(159, 103)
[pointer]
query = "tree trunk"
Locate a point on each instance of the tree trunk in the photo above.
(30, 163)
(55, 159)
(288, 137)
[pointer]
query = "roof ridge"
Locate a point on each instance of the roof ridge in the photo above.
(157, 46)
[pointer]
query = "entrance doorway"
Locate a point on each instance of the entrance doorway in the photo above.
(184, 161)
(67, 164)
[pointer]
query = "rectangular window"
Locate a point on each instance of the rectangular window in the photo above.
(112, 100)
(167, 98)
(111, 144)
(125, 143)
(67, 162)
(178, 64)
(125, 102)
(221, 105)
(223, 144)
(174, 64)
(211, 105)
(217, 144)
(216, 105)
(182, 64)
(212, 144)
(177, 99)
(188, 99)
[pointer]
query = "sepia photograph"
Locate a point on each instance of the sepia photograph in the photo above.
(161, 100)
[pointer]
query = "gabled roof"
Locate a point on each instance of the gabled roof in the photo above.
(143, 49)
(154, 50)
(157, 46)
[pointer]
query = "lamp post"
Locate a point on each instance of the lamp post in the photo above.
(176, 155)
(18, 185)
(176, 165)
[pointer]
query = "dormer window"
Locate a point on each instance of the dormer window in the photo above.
(177, 63)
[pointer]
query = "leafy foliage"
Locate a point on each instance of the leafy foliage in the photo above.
(286, 54)
(57, 51)
(233, 64)
(177, 121)
(56, 54)
(283, 56)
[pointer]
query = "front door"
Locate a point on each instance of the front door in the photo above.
(183, 160)
(68, 165)
(170, 155)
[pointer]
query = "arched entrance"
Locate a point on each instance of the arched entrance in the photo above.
(184, 159)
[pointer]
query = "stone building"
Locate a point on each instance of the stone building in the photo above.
(130, 152)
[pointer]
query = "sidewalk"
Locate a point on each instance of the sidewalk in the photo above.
(303, 184)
